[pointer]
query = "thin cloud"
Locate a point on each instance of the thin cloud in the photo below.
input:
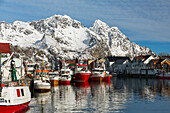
(139, 19)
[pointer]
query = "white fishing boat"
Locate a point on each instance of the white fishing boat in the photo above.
(14, 94)
(65, 78)
(54, 78)
(41, 82)
(97, 74)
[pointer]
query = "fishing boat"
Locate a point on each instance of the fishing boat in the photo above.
(107, 76)
(97, 74)
(82, 73)
(41, 82)
(14, 94)
(65, 78)
(54, 78)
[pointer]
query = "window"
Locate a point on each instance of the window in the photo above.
(22, 92)
(18, 93)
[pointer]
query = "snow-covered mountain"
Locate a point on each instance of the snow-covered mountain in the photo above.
(61, 36)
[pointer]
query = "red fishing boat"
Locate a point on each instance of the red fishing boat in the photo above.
(107, 76)
(82, 73)
(65, 77)
(14, 95)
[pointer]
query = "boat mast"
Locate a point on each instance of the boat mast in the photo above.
(21, 66)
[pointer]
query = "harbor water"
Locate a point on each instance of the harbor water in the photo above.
(120, 95)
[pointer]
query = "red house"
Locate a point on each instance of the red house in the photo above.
(5, 48)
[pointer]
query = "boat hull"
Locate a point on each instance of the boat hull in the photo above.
(42, 87)
(65, 82)
(15, 108)
(82, 77)
(54, 82)
(107, 78)
(96, 79)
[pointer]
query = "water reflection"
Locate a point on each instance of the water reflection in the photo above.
(82, 90)
(116, 96)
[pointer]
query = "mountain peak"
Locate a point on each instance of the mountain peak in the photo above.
(99, 27)
(100, 23)
(68, 38)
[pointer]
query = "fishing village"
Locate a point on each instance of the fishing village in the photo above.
(21, 78)
(84, 56)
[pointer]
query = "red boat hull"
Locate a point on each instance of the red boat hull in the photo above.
(54, 82)
(107, 78)
(82, 77)
(65, 82)
(96, 79)
(22, 108)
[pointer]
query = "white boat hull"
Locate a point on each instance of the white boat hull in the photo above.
(41, 86)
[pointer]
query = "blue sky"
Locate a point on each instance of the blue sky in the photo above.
(146, 22)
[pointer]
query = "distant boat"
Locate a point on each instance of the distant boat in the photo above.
(82, 73)
(41, 81)
(65, 78)
(14, 95)
(54, 78)
(97, 74)
(107, 76)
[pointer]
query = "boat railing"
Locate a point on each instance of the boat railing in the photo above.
(14, 84)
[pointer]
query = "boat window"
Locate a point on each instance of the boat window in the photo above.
(64, 75)
(22, 92)
(82, 67)
(98, 70)
(18, 93)
(30, 65)
(1, 100)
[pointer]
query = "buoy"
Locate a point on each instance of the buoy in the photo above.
(2, 85)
